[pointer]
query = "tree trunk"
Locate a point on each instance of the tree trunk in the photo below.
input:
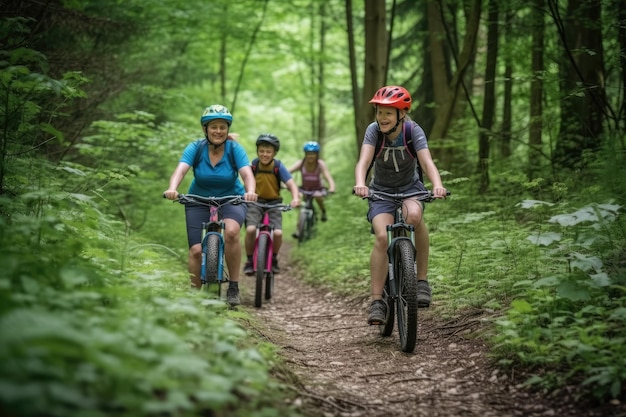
(536, 90)
(489, 101)
(321, 113)
(356, 97)
(376, 36)
(583, 100)
(446, 96)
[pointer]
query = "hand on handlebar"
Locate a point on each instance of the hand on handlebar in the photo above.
(361, 190)
(170, 194)
(295, 203)
(439, 192)
(250, 196)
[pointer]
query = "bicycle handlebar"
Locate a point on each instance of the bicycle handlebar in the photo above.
(425, 196)
(277, 206)
(324, 191)
(208, 201)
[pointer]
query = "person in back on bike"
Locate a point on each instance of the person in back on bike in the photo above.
(312, 169)
(217, 164)
(269, 173)
(395, 171)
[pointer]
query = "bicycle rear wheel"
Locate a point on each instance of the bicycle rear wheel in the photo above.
(261, 259)
(406, 306)
(387, 328)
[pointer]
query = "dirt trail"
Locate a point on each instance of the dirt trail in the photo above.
(347, 369)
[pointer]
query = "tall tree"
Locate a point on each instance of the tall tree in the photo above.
(447, 92)
(489, 99)
(354, 77)
(583, 101)
(536, 88)
(321, 113)
(376, 44)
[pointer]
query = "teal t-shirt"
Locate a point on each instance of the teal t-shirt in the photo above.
(219, 180)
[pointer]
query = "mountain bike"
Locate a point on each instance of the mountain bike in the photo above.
(263, 255)
(212, 269)
(308, 215)
(400, 291)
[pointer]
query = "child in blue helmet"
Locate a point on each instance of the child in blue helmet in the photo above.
(312, 169)
(217, 165)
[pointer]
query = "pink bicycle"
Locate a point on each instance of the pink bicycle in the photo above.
(264, 252)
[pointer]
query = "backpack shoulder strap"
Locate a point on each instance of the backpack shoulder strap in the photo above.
(231, 154)
(254, 165)
(202, 145)
(408, 138)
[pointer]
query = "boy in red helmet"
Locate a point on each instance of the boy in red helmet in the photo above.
(395, 172)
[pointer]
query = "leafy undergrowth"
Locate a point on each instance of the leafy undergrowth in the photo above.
(95, 323)
(551, 271)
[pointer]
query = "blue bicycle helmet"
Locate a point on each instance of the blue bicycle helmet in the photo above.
(311, 147)
(216, 111)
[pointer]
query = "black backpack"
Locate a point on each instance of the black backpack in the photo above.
(255, 165)
(203, 144)
(408, 144)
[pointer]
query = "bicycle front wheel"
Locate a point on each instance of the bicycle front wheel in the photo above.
(406, 307)
(212, 251)
(262, 248)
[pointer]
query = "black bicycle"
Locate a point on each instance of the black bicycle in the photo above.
(308, 215)
(400, 291)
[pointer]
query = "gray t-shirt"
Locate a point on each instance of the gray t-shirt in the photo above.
(394, 167)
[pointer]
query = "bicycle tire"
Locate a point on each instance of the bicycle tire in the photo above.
(406, 306)
(262, 248)
(212, 252)
(302, 226)
(269, 285)
(387, 328)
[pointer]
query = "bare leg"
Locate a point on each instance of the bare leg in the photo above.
(194, 265)
(278, 241)
(233, 248)
(250, 238)
(378, 259)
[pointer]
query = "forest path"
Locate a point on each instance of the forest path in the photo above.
(346, 369)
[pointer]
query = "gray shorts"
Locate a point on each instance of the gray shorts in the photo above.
(195, 215)
(377, 207)
(255, 214)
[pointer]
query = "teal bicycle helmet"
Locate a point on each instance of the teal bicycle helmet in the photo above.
(311, 147)
(269, 139)
(214, 112)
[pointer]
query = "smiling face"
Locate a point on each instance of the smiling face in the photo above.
(387, 117)
(266, 153)
(217, 130)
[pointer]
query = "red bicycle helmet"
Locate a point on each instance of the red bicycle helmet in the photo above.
(393, 96)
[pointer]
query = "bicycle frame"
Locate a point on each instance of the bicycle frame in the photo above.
(212, 229)
(396, 232)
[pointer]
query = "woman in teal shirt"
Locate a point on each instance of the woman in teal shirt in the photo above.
(217, 165)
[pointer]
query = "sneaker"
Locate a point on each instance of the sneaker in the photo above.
(232, 296)
(248, 268)
(275, 267)
(378, 313)
(423, 293)
(324, 218)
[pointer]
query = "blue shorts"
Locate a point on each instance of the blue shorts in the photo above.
(195, 215)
